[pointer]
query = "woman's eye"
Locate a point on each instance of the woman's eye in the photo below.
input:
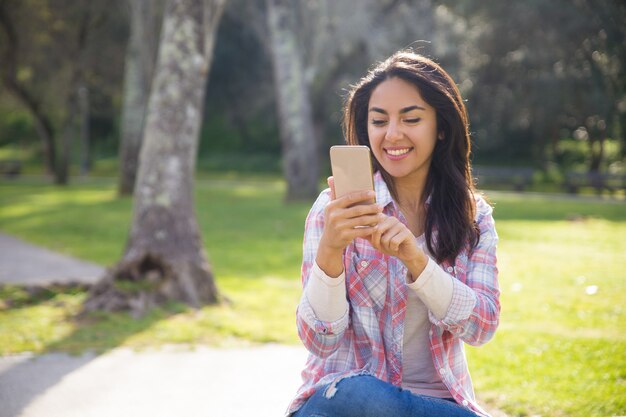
(417, 119)
(378, 122)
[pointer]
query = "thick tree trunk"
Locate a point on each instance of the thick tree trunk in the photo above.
(140, 56)
(164, 257)
(300, 156)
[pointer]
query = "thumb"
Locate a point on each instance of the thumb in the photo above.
(331, 184)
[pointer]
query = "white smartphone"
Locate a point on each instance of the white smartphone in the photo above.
(352, 170)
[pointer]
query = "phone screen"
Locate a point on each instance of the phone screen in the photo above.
(352, 169)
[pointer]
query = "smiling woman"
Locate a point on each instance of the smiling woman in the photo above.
(402, 134)
(393, 290)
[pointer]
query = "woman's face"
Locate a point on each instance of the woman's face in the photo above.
(402, 129)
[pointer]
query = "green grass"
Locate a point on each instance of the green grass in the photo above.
(560, 347)
(253, 241)
(559, 350)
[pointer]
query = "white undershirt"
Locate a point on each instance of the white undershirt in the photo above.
(431, 290)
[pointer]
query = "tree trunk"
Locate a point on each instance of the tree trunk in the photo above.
(596, 152)
(300, 156)
(9, 77)
(85, 148)
(68, 132)
(164, 257)
(622, 137)
(140, 56)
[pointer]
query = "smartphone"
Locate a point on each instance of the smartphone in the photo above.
(352, 170)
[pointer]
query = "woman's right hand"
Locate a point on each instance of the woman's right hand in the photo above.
(344, 221)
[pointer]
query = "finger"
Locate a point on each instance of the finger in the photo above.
(349, 201)
(360, 232)
(385, 225)
(397, 240)
(378, 231)
(393, 231)
(331, 185)
(361, 221)
(363, 210)
(356, 197)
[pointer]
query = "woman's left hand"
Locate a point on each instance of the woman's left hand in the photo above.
(391, 237)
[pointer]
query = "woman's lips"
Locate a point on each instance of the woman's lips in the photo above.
(397, 153)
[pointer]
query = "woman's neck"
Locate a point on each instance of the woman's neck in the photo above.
(409, 193)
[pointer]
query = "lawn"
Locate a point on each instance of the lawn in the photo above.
(560, 349)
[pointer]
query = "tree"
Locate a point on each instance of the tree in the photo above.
(10, 58)
(51, 50)
(300, 157)
(164, 257)
(139, 65)
(534, 72)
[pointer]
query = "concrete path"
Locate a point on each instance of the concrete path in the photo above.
(23, 263)
(206, 382)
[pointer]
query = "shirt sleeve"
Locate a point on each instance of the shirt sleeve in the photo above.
(434, 287)
(474, 311)
(326, 295)
(320, 337)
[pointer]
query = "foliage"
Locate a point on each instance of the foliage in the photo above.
(533, 72)
(60, 59)
(240, 113)
(558, 351)
(572, 154)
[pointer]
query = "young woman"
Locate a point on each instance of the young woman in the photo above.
(392, 290)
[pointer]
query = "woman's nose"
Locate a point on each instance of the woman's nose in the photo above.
(393, 132)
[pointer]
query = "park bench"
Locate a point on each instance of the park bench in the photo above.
(518, 178)
(10, 168)
(599, 181)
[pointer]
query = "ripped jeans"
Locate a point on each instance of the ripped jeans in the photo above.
(367, 396)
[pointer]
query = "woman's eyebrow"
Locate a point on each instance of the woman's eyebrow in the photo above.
(402, 110)
(409, 108)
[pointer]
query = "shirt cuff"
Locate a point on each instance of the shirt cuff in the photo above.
(434, 287)
(326, 295)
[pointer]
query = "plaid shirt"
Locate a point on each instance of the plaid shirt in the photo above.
(368, 338)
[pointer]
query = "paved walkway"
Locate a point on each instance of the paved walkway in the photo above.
(171, 381)
(23, 263)
(168, 382)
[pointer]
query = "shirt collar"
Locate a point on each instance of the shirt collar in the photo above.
(383, 195)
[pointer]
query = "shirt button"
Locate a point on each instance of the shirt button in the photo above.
(450, 269)
(465, 402)
(430, 332)
(363, 264)
(442, 371)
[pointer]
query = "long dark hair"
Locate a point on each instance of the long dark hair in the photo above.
(449, 183)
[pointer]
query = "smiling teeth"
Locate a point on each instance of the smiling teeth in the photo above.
(398, 152)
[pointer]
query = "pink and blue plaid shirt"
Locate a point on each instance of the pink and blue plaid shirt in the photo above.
(368, 338)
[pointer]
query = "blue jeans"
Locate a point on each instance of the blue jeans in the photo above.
(367, 396)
